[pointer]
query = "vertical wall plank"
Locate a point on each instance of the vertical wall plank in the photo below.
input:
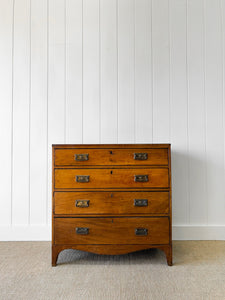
(108, 65)
(56, 99)
(38, 112)
(179, 111)
(6, 34)
(126, 117)
(143, 73)
(21, 111)
(214, 113)
(73, 71)
(196, 113)
(91, 125)
(56, 83)
(223, 69)
(161, 70)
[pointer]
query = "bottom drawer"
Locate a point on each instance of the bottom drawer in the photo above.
(137, 230)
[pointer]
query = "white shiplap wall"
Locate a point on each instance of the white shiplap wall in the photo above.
(112, 71)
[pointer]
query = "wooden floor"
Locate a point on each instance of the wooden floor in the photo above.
(198, 273)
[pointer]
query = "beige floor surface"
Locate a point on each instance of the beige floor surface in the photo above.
(198, 273)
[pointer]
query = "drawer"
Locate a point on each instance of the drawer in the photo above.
(111, 178)
(111, 203)
(102, 157)
(112, 230)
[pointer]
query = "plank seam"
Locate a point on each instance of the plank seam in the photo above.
(29, 118)
(100, 65)
(117, 67)
(134, 66)
(47, 107)
(82, 37)
(205, 114)
(151, 58)
(12, 123)
(170, 64)
(222, 55)
(65, 70)
(188, 138)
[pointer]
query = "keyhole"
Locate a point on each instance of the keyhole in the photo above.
(111, 195)
(111, 172)
(112, 220)
(111, 152)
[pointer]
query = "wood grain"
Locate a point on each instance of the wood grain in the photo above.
(111, 218)
(111, 178)
(111, 203)
(64, 157)
(111, 230)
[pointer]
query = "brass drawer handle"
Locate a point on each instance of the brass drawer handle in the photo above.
(81, 157)
(140, 202)
(82, 178)
(82, 203)
(82, 230)
(140, 156)
(140, 178)
(141, 231)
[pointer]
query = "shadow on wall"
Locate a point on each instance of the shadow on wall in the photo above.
(189, 196)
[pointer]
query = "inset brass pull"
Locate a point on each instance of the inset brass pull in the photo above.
(140, 202)
(140, 156)
(140, 178)
(141, 231)
(82, 178)
(82, 203)
(82, 230)
(81, 157)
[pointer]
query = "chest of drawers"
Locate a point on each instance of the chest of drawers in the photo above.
(111, 199)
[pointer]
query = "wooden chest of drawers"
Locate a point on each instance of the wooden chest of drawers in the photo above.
(111, 199)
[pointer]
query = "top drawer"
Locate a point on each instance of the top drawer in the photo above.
(90, 157)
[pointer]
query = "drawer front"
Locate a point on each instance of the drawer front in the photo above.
(111, 203)
(85, 157)
(112, 230)
(111, 178)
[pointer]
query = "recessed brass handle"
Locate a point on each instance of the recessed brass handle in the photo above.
(140, 178)
(141, 231)
(140, 202)
(82, 203)
(82, 178)
(81, 156)
(82, 230)
(141, 156)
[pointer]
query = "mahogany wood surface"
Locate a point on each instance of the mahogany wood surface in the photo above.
(111, 226)
(111, 203)
(104, 157)
(111, 178)
(111, 230)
